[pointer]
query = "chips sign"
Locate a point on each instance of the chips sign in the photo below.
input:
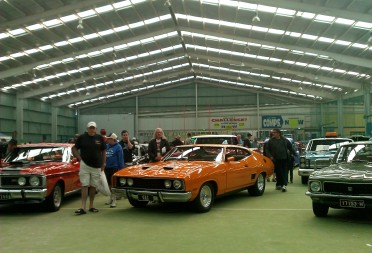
(276, 121)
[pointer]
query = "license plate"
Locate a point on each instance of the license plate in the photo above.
(4, 196)
(352, 203)
(145, 198)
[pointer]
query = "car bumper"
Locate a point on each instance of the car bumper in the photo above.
(333, 200)
(305, 172)
(21, 195)
(160, 196)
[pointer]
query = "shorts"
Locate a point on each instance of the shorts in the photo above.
(89, 176)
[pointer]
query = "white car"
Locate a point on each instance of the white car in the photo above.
(215, 139)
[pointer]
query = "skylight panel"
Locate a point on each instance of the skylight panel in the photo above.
(307, 15)
(327, 40)
(52, 23)
(344, 21)
(276, 31)
(324, 18)
(342, 42)
(104, 9)
(285, 12)
(244, 6)
(61, 43)
(309, 37)
(85, 14)
(265, 8)
(363, 25)
(17, 32)
(358, 45)
(34, 27)
(46, 47)
(69, 18)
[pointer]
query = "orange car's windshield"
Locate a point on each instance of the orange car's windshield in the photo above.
(195, 153)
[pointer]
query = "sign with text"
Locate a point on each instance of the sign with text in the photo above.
(277, 121)
(228, 123)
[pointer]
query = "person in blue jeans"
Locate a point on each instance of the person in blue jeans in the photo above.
(114, 162)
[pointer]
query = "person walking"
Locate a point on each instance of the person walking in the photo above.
(279, 149)
(114, 162)
(158, 146)
(128, 147)
(90, 151)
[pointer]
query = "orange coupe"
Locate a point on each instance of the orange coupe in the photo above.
(194, 173)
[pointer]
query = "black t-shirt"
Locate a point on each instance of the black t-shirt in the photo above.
(91, 148)
(128, 153)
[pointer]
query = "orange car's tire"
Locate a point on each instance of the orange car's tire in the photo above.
(320, 210)
(204, 201)
(54, 201)
(259, 187)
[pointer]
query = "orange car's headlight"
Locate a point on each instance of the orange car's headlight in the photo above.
(177, 184)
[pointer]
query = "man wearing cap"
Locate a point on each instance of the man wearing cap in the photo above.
(247, 141)
(92, 158)
(114, 162)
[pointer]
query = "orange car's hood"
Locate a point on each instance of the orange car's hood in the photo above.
(167, 169)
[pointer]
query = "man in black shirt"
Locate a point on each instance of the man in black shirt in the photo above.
(92, 158)
(128, 148)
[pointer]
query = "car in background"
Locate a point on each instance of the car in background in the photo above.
(194, 174)
(140, 154)
(39, 173)
(346, 183)
(215, 139)
(317, 154)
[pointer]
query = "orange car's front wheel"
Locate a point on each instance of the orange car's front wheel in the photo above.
(204, 200)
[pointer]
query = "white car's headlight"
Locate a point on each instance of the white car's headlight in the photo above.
(122, 181)
(22, 181)
(167, 184)
(177, 184)
(34, 181)
(315, 186)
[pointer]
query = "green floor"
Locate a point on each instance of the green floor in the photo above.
(275, 222)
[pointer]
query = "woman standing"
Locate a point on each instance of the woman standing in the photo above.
(158, 146)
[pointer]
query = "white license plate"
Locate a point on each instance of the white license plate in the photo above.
(4, 196)
(352, 203)
(145, 198)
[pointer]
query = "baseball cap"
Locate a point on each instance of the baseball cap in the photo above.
(112, 136)
(249, 134)
(92, 124)
(103, 131)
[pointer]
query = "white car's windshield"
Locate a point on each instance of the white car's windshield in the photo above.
(354, 153)
(28, 154)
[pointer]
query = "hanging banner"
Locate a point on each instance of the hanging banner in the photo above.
(228, 123)
(277, 121)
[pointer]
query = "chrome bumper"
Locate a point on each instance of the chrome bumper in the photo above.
(305, 172)
(160, 196)
(336, 196)
(22, 195)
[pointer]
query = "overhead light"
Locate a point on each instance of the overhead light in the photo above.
(167, 3)
(256, 18)
(80, 25)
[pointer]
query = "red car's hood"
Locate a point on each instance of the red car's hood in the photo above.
(27, 168)
(167, 169)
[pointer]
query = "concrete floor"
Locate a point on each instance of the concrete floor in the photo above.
(275, 222)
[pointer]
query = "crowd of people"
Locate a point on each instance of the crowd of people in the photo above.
(101, 153)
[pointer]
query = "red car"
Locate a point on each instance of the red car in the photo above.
(39, 173)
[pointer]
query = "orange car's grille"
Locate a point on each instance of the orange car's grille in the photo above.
(148, 183)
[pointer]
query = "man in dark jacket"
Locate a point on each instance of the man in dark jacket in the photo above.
(128, 147)
(279, 150)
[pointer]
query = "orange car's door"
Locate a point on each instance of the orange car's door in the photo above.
(238, 174)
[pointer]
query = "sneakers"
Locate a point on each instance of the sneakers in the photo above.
(109, 201)
(284, 188)
(278, 187)
(113, 203)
